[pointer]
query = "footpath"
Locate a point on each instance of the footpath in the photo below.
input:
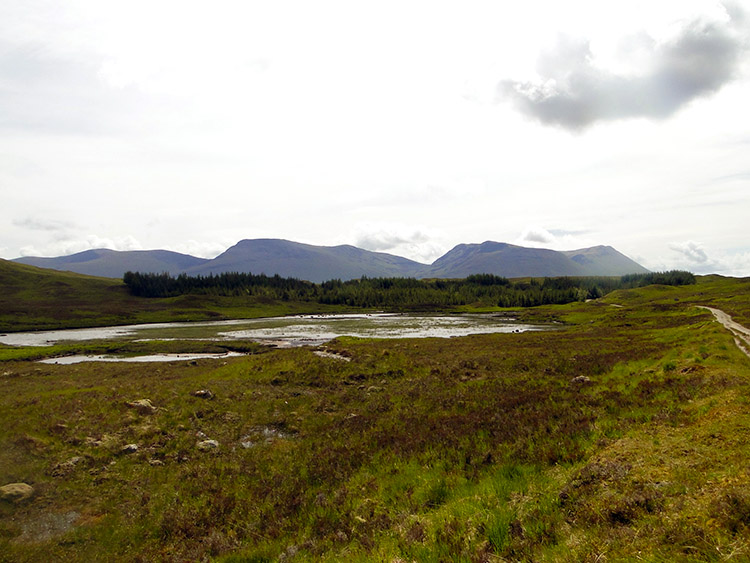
(741, 334)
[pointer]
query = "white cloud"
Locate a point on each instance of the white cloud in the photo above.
(697, 258)
(556, 239)
(413, 243)
(383, 240)
(693, 251)
(73, 246)
(201, 249)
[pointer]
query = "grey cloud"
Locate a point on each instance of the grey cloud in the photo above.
(537, 235)
(574, 93)
(385, 241)
(43, 224)
(691, 250)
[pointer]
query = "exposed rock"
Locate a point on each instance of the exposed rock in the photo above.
(16, 492)
(143, 406)
(207, 445)
(129, 449)
(155, 462)
(581, 380)
(203, 394)
(66, 467)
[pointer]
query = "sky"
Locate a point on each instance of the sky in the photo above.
(403, 127)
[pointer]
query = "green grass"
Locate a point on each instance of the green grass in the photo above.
(468, 449)
(38, 299)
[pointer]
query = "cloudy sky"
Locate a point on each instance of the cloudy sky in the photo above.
(403, 127)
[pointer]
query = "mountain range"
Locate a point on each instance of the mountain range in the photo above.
(321, 263)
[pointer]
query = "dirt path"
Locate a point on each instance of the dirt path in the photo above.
(741, 334)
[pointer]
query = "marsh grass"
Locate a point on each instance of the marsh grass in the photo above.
(483, 448)
(39, 299)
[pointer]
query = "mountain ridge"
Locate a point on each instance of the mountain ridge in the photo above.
(321, 263)
(107, 263)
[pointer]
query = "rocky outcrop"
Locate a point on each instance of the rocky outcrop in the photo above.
(203, 394)
(16, 492)
(143, 406)
(66, 467)
(207, 445)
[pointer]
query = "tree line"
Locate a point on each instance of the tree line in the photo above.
(400, 293)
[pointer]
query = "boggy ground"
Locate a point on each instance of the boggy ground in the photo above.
(622, 437)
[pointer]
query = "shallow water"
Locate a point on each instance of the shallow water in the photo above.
(67, 360)
(298, 330)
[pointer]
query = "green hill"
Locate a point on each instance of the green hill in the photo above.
(34, 298)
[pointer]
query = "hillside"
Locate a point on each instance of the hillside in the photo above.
(33, 298)
(345, 262)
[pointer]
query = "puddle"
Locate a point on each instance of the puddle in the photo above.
(47, 526)
(67, 360)
(261, 435)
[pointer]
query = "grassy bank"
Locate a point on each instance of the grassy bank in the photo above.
(621, 437)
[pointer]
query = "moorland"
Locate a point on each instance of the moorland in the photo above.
(621, 436)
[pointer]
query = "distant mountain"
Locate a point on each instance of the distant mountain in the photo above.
(502, 259)
(512, 261)
(604, 261)
(114, 263)
(307, 262)
(321, 263)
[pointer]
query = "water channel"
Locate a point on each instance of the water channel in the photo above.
(300, 330)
